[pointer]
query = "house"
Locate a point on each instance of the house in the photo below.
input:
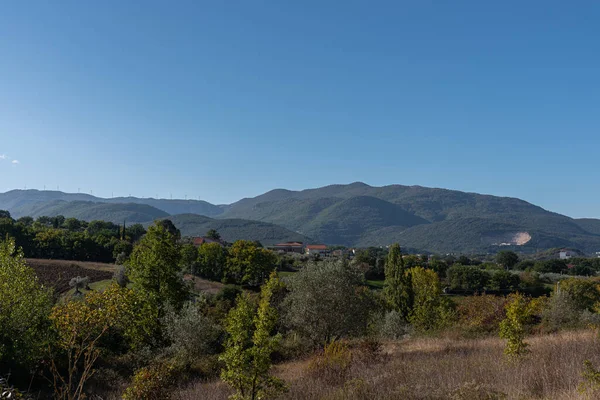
(314, 249)
(289, 247)
(565, 254)
(199, 241)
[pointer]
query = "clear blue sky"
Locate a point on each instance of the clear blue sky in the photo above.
(222, 100)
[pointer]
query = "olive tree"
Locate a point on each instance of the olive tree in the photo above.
(327, 300)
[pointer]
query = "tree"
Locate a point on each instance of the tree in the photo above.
(168, 225)
(397, 287)
(153, 268)
(512, 328)
(508, 259)
(430, 309)
(5, 214)
(465, 277)
(327, 300)
(248, 356)
(24, 308)
(80, 326)
(79, 283)
(212, 258)
(189, 258)
(248, 264)
(584, 292)
(213, 234)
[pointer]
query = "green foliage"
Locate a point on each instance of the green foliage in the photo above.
(153, 268)
(152, 383)
(191, 334)
(211, 261)
(80, 326)
(213, 234)
(512, 328)
(248, 351)
(561, 312)
(333, 364)
(508, 259)
(430, 309)
(504, 280)
(481, 313)
(584, 292)
(248, 264)
(397, 288)
(328, 300)
(24, 309)
(591, 378)
(469, 278)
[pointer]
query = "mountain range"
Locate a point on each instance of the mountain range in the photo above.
(428, 219)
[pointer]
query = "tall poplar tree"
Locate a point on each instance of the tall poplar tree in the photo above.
(397, 287)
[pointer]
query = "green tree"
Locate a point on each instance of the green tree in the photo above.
(397, 287)
(508, 259)
(248, 264)
(328, 300)
(430, 309)
(512, 328)
(189, 258)
(212, 258)
(213, 234)
(153, 269)
(250, 345)
(24, 309)
(467, 277)
(584, 292)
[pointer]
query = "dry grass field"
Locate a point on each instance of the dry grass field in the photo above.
(435, 368)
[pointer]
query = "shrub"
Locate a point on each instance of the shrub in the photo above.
(390, 325)
(481, 313)
(512, 328)
(191, 334)
(561, 312)
(585, 292)
(151, 383)
(333, 364)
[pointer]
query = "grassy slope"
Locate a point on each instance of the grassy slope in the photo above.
(439, 368)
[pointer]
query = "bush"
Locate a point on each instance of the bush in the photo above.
(333, 364)
(561, 312)
(152, 383)
(585, 292)
(191, 334)
(391, 325)
(481, 314)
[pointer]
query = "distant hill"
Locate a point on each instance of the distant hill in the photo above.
(448, 220)
(89, 211)
(19, 202)
(235, 229)
(429, 219)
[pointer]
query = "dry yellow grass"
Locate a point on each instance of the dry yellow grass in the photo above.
(430, 368)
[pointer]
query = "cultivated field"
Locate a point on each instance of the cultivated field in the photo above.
(58, 273)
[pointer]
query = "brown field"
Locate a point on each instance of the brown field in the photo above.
(203, 285)
(425, 368)
(58, 273)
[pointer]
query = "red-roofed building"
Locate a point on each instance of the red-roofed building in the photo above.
(313, 249)
(289, 247)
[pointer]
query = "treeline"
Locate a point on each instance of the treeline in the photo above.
(69, 238)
